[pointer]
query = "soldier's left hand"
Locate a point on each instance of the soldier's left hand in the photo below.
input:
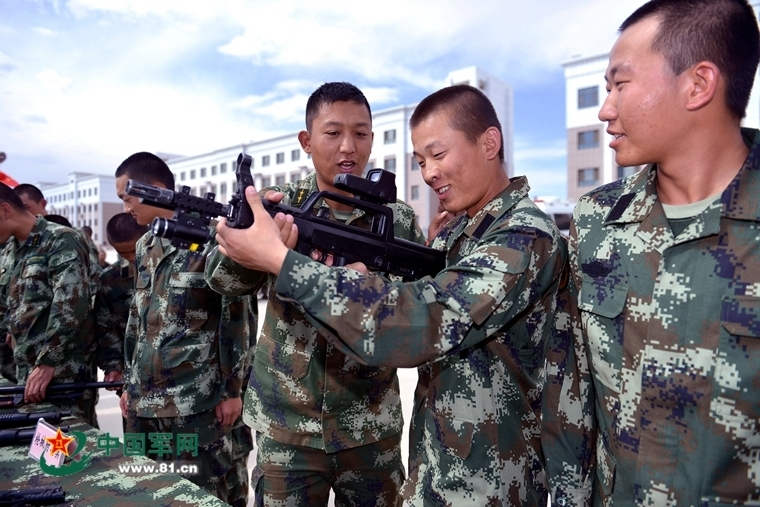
(113, 376)
(228, 410)
(263, 246)
(37, 383)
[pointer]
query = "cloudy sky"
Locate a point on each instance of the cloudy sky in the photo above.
(85, 83)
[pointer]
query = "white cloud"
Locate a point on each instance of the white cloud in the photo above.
(53, 80)
(7, 63)
(47, 32)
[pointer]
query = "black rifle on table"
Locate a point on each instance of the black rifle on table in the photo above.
(53, 393)
(21, 420)
(376, 247)
(22, 436)
(37, 496)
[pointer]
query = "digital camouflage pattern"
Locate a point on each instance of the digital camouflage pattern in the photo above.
(116, 287)
(482, 324)
(186, 349)
(671, 328)
(185, 345)
(45, 297)
(302, 390)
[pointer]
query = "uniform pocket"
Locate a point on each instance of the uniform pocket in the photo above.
(182, 363)
(453, 435)
(282, 358)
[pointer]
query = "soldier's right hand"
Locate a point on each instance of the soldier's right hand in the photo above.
(123, 403)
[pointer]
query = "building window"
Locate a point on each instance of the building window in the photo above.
(234, 187)
(623, 172)
(295, 155)
(389, 136)
(370, 165)
(95, 191)
(588, 97)
(588, 177)
(266, 182)
(265, 160)
(280, 158)
(192, 174)
(203, 172)
(213, 170)
(279, 180)
(234, 165)
(96, 207)
(223, 190)
(308, 155)
(390, 164)
(182, 176)
(223, 168)
(415, 164)
(588, 139)
(415, 192)
(294, 177)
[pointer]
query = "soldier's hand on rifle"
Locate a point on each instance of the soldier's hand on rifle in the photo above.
(438, 222)
(228, 410)
(37, 383)
(113, 376)
(263, 246)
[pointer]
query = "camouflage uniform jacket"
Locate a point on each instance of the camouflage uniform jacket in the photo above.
(302, 390)
(482, 324)
(671, 328)
(116, 287)
(185, 345)
(46, 301)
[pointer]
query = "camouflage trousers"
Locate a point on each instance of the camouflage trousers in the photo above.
(237, 478)
(215, 448)
(294, 476)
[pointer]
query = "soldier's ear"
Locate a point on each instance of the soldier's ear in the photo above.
(305, 139)
(6, 210)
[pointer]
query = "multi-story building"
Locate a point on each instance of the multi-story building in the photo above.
(590, 160)
(281, 159)
(87, 199)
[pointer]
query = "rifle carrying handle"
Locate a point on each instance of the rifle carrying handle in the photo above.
(241, 215)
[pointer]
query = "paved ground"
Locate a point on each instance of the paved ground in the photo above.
(109, 415)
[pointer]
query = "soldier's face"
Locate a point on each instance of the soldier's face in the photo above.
(340, 141)
(641, 108)
(452, 165)
(32, 206)
(125, 249)
(142, 213)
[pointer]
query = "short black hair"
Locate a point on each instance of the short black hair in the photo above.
(123, 227)
(8, 195)
(470, 111)
(723, 32)
(58, 219)
(330, 93)
(146, 168)
(30, 191)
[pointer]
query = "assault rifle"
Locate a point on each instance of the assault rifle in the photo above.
(21, 420)
(376, 247)
(54, 392)
(37, 496)
(22, 436)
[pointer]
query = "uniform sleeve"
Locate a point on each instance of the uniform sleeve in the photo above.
(236, 328)
(132, 330)
(109, 335)
(568, 434)
(397, 324)
(229, 278)
(71, 304)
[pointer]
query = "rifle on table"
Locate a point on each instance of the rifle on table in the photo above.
(21, 420)
(37, 496)
(22, 436)
(53, 393)
(376, 247)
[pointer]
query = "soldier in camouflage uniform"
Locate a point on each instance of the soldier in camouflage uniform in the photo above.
(661, 382)
(45, 297)
(115, 291)
(322, 419)
(479, 327)
(185, 345)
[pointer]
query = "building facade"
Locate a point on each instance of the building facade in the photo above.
(86, 199)
(281, 159)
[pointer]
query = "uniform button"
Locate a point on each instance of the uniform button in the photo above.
(561, 501)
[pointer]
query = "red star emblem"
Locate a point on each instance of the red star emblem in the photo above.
(59, 442)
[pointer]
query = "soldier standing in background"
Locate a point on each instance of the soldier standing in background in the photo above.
(322, 420)
(115, 292)
(659, 387)
(45, 296)
(185, 345)
(478, 328)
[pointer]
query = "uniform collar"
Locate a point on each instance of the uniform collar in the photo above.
(308, 186)
(739, 200)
